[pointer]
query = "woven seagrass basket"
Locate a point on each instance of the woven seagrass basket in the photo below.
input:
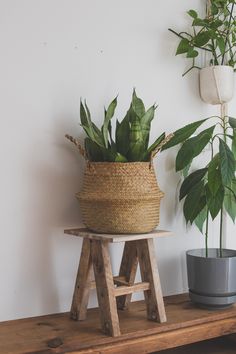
(120, 197)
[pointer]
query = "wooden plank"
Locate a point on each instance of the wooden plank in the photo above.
(82, 284)
(150, 274)
(128, 269)
(122, 290)
(186, 324)
(105, 288)
(85, 233)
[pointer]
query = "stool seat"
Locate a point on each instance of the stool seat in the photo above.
(114, 292)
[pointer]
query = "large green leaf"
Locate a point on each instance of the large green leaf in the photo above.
(122, 134)
(108, 116)
(215, 201)
(138, 105)
(232, 122)
(192, 148)
(184, 133)
(136, 142)
(190, 182)
(145, 122)
(227, 163)
(221, 44)
(156, 142)
(93, 150)
(230, 200)
(86, 121)
(194, 202)
(214, 174)
(201, 218)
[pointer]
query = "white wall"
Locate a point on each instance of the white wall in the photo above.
(52, 53)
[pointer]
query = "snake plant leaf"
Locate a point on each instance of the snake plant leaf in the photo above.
(145, 122)
(227, 163)
(120, 158)
(93, 150)
(108, 116)
(184, 133)
(232, 122)
(138, 105)
(192, 148)
(122, 135)
(201, 218)
(214, 174)
(230, 200)
(215, 201)
(194, 202)
(190, 181)
(96, 138)
(136, 142)
(86, 121)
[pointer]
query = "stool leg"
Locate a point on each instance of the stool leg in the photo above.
(105, 288)
(128, 268)
(149, 272)
(82, 285)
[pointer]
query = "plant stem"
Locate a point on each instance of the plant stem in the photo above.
(227, 34)
(221, 232)
(206, 235)
(182, 37)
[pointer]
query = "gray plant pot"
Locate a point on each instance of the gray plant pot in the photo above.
(212, 280)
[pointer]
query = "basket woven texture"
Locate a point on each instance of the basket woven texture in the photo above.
(120, 197)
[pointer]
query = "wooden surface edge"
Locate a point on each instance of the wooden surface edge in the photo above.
(165, 340)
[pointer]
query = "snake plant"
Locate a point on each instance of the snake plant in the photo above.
(131, 139)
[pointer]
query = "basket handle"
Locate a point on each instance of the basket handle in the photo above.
(77, 143)
(159, 147)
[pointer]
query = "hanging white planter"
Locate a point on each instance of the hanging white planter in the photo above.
(216, 84)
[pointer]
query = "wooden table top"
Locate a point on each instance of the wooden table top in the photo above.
(114, 238)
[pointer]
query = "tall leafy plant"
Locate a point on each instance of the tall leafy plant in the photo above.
(214, 34)
(210, 190)
(131, 139)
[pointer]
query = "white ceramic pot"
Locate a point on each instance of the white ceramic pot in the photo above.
(217, 84)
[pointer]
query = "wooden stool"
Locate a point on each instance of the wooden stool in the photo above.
(116, 292)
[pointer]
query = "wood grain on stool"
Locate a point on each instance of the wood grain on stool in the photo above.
(116, 292)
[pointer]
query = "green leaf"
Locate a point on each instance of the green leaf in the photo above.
(227, 163)
(136, 142)
(230, 201)
(233, 147)
(214, 174)
(192, 53)
(182, 134)
(232, 122)
(200, 219)
(122, 134)
(215, 202)
(156, 142)
(120, 158)
(145, 122)
(190, 182)
(192, 13)
(93, 150)
(138, 105)
(198, 22)
(202, 38)
(221, 44)
(108, 115)
(183, 46)
(194, 202)
(193, 147)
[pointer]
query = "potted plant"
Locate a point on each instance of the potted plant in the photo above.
(215, 36)
(208, 192)
(120, 193)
